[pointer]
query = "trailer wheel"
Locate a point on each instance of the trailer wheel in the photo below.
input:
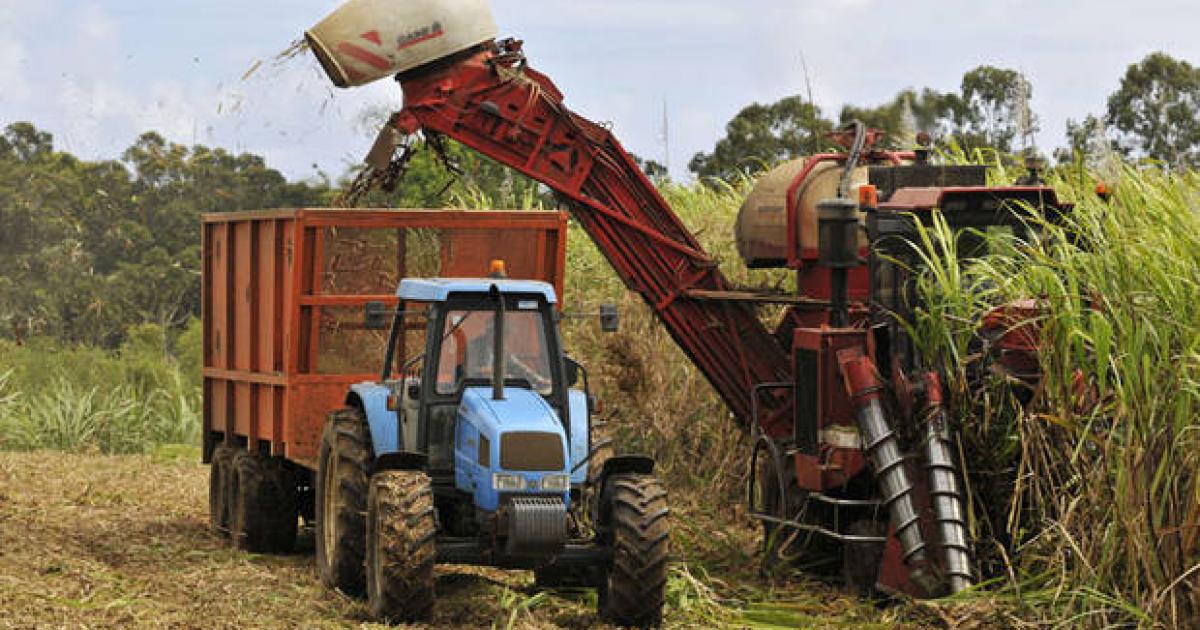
(639, 534)
(264, 504)
(401, 546)
(343, 474)
(218, 490)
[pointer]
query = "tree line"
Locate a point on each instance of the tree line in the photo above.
(1154, 114)
(90, 250)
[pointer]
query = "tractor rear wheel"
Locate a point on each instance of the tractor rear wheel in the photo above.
(638, 530)
(401, 546)
(264, 515)
(343, 474)
(218, 489)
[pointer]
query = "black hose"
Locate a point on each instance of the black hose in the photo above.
(856, 150)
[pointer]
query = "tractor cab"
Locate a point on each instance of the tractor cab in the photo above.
(480, 396)
(487, 401)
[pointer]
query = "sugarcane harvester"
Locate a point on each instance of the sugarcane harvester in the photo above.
(835, 395)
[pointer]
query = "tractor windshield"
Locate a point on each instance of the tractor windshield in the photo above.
(467, 346)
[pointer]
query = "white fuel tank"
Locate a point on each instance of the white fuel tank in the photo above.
(367, 40)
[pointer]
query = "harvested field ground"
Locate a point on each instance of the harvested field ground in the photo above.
(104, 542)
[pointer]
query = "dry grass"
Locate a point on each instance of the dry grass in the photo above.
(93, 541)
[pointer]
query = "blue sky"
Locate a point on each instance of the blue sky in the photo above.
(97, 73)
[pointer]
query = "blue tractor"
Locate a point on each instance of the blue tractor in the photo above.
(475, 447)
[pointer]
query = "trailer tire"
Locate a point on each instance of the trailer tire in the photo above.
(219, 500)
(638, 530)
(263, 517)
(401, 547)
(343, 475)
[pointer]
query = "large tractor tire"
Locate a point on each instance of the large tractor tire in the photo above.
(638, 529)
(264, 504)
(401, 547)
(343, 475)
(219, 472)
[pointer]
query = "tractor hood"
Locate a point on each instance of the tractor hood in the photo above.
(519, 438)
(521, 410)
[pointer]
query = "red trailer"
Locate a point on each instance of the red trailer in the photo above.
(284, 293)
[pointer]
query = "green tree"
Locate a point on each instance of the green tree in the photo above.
(908, 113)
(995, 109)
(90, 249)
(455, 177)
(1156, 110)
(761, 136)
(652, 168)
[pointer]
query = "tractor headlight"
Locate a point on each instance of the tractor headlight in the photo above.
(556, 483)
(508, 483)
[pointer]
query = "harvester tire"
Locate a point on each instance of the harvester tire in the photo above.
(263, 518)
(787, 549)
(638, 530)
(219, 500)
(343, 476)
(861, 560)
(401, 547)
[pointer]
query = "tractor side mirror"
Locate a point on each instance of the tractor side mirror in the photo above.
(610, 318)
(414, 391)
(573, 371)
(375, 316)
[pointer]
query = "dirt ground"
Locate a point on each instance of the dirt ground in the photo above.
(120, 542)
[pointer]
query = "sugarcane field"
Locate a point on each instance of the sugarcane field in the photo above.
(519, 315)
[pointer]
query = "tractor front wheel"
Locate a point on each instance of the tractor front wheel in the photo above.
(401, 547)
(639, 532)
(343, 474)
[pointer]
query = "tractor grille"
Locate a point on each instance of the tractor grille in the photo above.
(531, 452)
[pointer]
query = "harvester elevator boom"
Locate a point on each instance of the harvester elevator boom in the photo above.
(488, 100)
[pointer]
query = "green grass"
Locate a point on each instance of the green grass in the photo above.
(1101, 487)
(80, 399)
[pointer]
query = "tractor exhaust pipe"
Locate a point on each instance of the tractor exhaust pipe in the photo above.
(944, 491)
(883, 451)
(498, 358)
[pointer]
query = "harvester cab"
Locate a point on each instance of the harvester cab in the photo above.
(480, 447)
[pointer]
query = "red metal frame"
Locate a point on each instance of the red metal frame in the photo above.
(263, 296)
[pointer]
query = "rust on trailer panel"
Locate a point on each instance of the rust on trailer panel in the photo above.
(283, 293)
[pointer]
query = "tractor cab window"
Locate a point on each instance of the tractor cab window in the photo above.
(468, 343)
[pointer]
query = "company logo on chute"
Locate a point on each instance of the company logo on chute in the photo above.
(414, 37)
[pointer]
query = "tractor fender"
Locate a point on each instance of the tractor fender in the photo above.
(620, 464)
(372, 399)
(616, 465)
